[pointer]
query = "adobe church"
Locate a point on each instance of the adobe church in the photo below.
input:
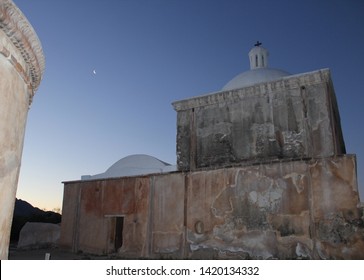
(262, 173)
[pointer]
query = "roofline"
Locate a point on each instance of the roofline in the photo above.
(291, 81)
(116, 178)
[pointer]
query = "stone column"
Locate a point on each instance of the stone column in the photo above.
(21, 69)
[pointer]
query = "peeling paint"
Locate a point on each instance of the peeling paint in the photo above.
(255, 212)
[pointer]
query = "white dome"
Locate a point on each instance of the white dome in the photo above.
(133, 165)
(259, 71)
(258, 75)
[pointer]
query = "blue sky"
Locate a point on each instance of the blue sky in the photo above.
(148, 54)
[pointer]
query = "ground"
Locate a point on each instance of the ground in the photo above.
(56, 254)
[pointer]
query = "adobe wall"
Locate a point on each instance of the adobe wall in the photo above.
(21, 69)
(167, 216)
(89, 209)
(293, 117)
(284, 209)
(296, 209)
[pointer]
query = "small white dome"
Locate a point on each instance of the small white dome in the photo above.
(134, 165)
(259, 71)
(251, 77)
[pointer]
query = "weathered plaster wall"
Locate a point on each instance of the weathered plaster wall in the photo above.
(14, 102)
(284, 209)
(89, 211)
(39, 235)
(295, 117)
(167, 215)
(21, 68)
(70, 217)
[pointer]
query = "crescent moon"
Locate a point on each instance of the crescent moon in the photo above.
(94, 72)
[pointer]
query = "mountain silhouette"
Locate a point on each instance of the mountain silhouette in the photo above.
(25, 209)
(25, 212)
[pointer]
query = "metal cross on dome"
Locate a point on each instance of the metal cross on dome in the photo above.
(257, 44)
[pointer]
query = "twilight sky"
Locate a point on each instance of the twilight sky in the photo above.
(149, 53)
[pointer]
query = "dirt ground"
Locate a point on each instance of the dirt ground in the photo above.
(55, 254)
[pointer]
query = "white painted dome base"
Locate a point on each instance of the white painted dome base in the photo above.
(251, 77)
(259, 71)
(134, 165)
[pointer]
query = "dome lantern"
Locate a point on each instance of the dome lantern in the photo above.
(259, 71)
(258, 56)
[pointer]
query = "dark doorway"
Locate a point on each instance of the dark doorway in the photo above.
(119, 224)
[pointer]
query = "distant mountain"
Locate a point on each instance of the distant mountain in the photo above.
(25, 212)
(25, 209)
